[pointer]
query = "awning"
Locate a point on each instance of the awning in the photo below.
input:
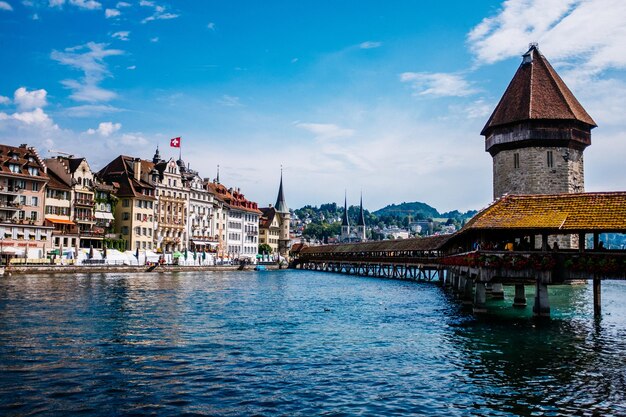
(104, 215)
(59, 221)
(204, 243)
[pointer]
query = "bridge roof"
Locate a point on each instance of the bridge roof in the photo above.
(430, 243)
(571, 213)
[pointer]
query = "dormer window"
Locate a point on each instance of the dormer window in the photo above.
(14, 156)
(33, 171)
(14, 168)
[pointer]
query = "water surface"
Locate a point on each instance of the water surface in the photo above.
(299, 343)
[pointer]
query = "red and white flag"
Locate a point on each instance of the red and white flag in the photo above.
(175, 143)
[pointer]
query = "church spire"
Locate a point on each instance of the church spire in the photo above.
(345, 221)
(361, 220)
(281, 205)
(157, 156)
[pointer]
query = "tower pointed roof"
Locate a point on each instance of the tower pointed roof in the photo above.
(536, 92)
(361, 220)
(344, 219)
(281, 205)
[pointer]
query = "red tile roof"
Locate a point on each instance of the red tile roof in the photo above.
(555, 212)
(536, 92)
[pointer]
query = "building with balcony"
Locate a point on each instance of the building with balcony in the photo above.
(242, 229)
(172, 206)
(201, 201)
(23, 179)
(58, 214)
(83, 183)
(134, 221)
(219, 219)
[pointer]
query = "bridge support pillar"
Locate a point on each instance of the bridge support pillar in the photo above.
(597, 295)
(520, 296)
(449, 277)
(497, 291)
(480, 298)
(542, 304)
(460, 286)
(468, 293)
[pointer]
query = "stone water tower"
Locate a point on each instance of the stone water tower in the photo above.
(537, 133)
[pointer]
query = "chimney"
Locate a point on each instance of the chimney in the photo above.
(137, 168)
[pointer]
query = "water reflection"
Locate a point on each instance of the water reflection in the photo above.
(299, 343)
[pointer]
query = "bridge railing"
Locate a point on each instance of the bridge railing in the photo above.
(565, 264)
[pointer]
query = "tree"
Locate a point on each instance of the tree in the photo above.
(265, 248)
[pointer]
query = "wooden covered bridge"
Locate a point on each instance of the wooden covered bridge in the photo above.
(518, 240)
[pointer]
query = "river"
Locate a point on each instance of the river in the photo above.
(300, 343)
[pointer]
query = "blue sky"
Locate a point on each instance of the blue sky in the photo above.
(384, 97)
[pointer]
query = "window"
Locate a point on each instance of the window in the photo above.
(33, 171)
(137, 230)
(125, 215)
(124, 230)
(550, 159)
(35, 186)
(34, 201)
(138, 216)
(125, 202)
(516, 160)
(14, 168)
(33, 215)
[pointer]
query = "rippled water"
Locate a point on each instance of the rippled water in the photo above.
(299, 343)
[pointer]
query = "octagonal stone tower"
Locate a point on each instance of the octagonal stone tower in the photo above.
(537, 133)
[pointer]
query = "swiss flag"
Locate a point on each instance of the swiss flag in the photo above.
(175, 143)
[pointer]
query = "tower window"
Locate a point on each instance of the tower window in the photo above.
(550, 159)
(515, 160)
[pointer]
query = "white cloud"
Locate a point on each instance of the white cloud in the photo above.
(122, 4)
(90, 110)
(35, 117)
(326, 130)
(370, 45)
(211, 26)
(89, 59)
(27, 100)
(230, 101)
(133, 139)
(5, 6)
(105, 129)
(160, 16)
(4, 100)
(108, 13)
(132, 67)
(159, 12)
(86, 4)
(56, 3)
(154, 40)
(122, 35)
(438, 84)
(591, 33)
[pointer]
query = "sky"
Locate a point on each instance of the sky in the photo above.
(383, 98)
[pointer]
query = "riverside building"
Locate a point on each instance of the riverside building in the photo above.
(23, 179)
(134, 211)
(274, 224)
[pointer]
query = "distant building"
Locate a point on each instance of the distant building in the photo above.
(537, 133)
